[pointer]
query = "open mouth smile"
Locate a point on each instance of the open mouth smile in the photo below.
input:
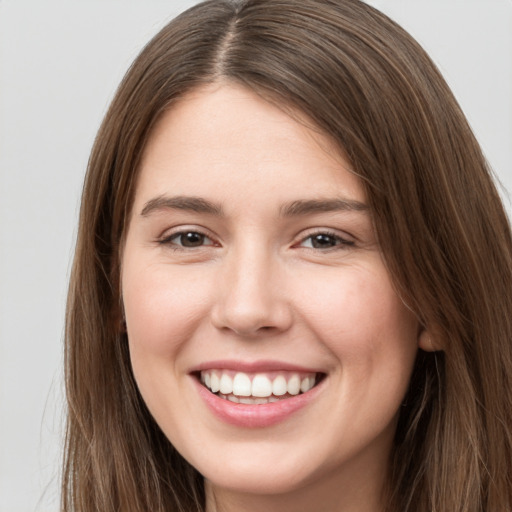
(256, 395)
(257, 388)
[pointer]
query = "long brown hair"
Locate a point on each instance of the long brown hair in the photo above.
(443, 232)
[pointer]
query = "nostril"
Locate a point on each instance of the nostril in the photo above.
(249, 330)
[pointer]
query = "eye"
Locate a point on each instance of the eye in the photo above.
(187, 239)
(325, 240)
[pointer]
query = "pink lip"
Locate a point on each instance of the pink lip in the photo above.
(257, 415)
(252, 366)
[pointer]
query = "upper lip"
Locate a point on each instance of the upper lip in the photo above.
(253, 366)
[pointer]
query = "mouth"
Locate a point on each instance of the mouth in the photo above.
(258, 388)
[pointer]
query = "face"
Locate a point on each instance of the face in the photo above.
(264, 330)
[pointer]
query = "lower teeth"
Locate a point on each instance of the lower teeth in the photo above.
(251, 400)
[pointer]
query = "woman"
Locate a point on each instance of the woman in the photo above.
(292, 282)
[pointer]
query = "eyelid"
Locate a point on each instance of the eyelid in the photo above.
(346, 240)
(167, 236)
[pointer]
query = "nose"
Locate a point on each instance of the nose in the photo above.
(251, 299)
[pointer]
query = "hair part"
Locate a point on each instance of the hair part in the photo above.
(443, 232)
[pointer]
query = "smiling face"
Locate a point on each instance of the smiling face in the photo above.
(265, 334)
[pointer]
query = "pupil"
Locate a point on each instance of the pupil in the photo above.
(192, 239)
(322, 241)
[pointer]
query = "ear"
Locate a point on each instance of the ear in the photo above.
(427, 343)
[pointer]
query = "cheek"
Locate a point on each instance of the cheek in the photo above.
(361, 319)
(162, 307)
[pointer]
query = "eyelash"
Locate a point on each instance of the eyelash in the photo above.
(168, 240)
(339, 242)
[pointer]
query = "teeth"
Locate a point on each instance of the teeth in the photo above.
(257, 401)
(261, 386)
(241, 385)
(294, 385)
(307, 383)
(279, 386)
(214, 383)
(226, 384)
(256, 388)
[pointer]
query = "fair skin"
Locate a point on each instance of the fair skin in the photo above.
(250, 250)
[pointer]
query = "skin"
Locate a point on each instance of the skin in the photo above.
(256, 287)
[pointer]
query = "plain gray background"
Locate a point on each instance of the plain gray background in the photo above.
(60, 62)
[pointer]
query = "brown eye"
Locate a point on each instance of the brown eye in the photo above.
(325, 241)
(188, 239)
(192, 239)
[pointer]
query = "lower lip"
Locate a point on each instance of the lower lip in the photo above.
(257, 415)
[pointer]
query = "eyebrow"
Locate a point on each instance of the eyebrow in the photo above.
(309, 206)
(193, 204)
(292, 209)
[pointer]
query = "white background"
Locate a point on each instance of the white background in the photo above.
(60, 62)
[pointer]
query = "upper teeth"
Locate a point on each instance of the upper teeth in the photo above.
(259, 384)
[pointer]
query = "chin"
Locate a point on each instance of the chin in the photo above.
(251, 479)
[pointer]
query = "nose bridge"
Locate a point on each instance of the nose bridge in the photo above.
(250, 298)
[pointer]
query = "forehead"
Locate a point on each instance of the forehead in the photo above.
(225, 137)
